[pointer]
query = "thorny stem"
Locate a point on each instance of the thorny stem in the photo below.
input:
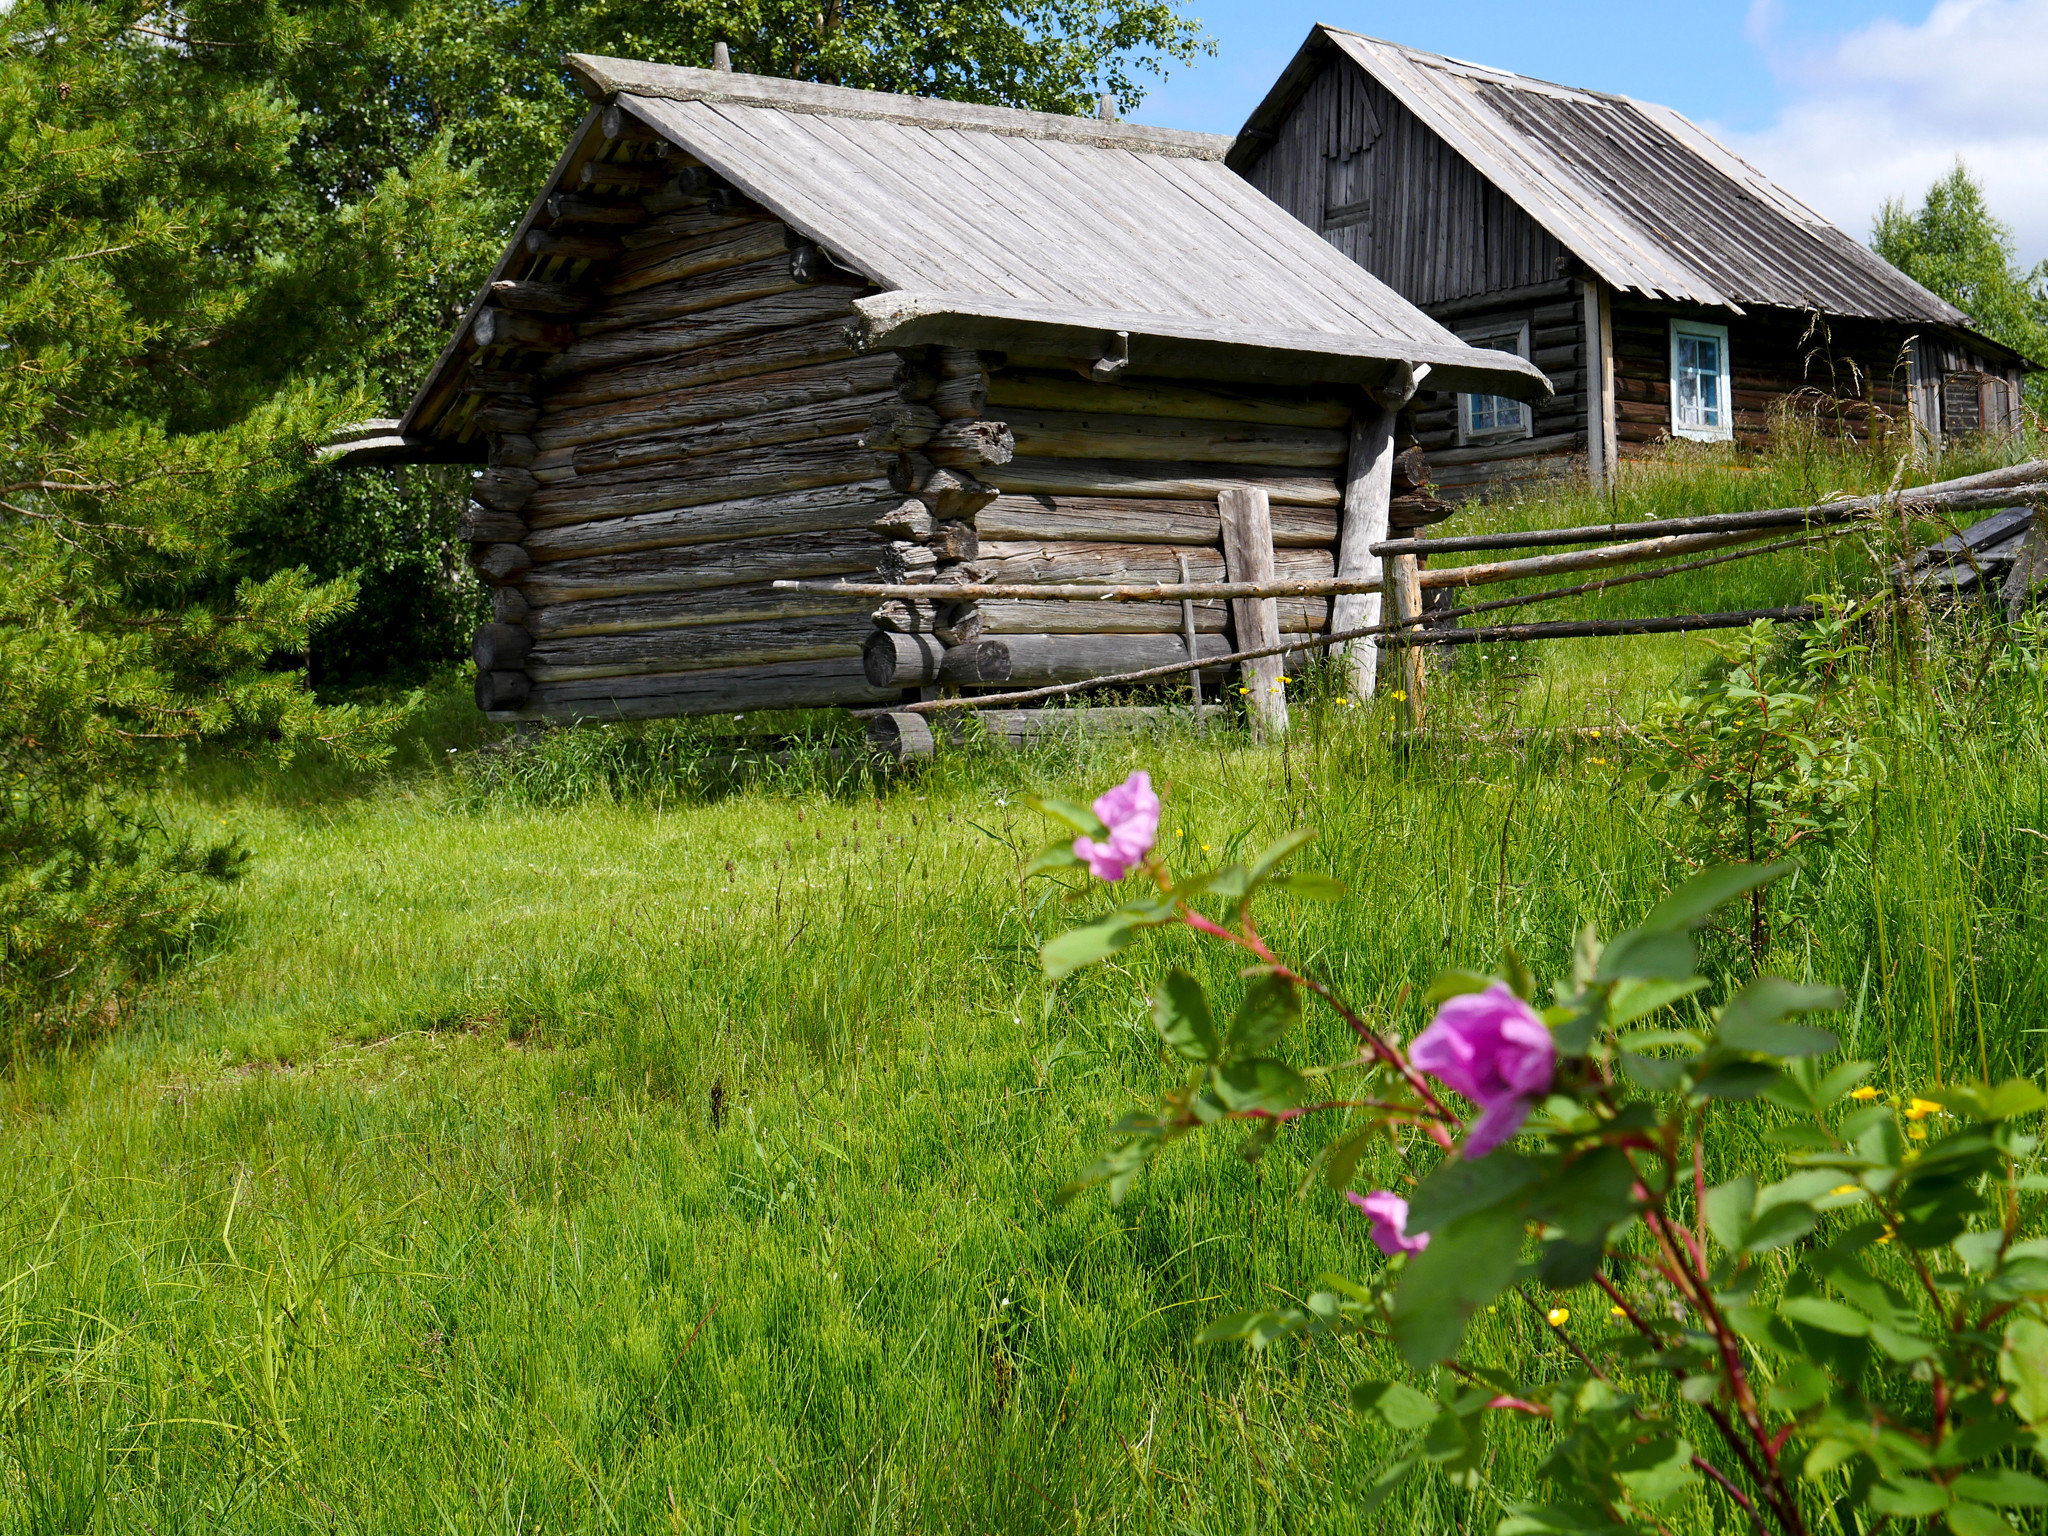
(1367, 1035)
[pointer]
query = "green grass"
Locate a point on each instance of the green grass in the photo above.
(525, 1155)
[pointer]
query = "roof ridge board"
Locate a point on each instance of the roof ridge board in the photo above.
(1555, 201)
(1452, 64)
(602, 76)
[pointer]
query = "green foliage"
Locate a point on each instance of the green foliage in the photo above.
(1868, 1326)
(1954, 245)
(137, 451)
(1763, 754)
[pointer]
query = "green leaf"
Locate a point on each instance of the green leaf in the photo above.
(2008, 1101)
(1976, 1520)
(1180, 1012)
(1312, 885)
(1646, 954)
(1908, 1497)
(1258, 1084)
(1780, 1225)
(1456, 1188)
(1828, 1316)
(1270, 1008)
(1395, 1475)
(1652, 1074)
(1466, 1265)
(1266, 862)
(1058, 856)
(1736, 1080)
(1077, 947)
(1729, 1207)
(1634, 998)
(2023, 1365)
(1340, 1158)
(1750, 1020)
(2002, 1487)
(1657, 1471)
(1591, 1195)
(1693, 902)
(1399, 1407)
(1079, 817)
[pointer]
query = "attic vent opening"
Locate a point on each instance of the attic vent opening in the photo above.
(1354, 128)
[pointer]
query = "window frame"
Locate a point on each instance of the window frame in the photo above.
(1725, 433)
(1479, 336)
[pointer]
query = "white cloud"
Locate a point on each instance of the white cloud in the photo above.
(1886, 111)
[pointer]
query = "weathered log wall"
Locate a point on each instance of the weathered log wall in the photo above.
(1849, 376)
(675, 418)
(1060, 479)
(1555, 445)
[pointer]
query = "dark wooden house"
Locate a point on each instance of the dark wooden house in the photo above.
(1666, 288)
(757, 329)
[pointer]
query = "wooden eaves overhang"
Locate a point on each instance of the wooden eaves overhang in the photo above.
(1007, 230)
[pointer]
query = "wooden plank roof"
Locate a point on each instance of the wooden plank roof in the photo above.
(1031, 231)
(1650, 202)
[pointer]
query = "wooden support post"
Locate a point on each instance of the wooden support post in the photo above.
(1247, 519)
(1187, 631)
(1403, 580)
(1368, 489)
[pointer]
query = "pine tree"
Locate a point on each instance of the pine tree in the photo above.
(1954, 246)
(143, 428)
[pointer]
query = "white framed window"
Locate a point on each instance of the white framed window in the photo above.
(1495, 418)
(1702, 406)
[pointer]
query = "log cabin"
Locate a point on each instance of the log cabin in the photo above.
(1667, 289)
(757, 329)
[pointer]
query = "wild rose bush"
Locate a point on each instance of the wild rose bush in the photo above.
(1859, 1342)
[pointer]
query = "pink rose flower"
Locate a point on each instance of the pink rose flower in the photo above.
(1389, 1213)
(1491, 1047)
(1131, 812)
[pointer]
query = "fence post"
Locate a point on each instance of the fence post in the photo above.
(1247, 519)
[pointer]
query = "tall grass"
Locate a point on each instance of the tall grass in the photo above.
(575, 1143)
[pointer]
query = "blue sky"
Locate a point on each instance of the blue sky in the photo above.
(1844, 101)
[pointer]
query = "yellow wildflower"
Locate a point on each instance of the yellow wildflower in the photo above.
(1400, 696)
(1887, 1237)
(1917, 1131)
(1617, 1312)
(1846, 1189)
(1557, 1317)
(1286, 679)
(1594, 734)
(1342, 700)
(1865, 1094)
(1920, 1109)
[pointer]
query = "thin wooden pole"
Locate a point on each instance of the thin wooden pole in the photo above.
(1060, 690)
(1368, 490)
(1579, 629)
(1403, 578)
(1247, 518)
(1187, 630)
(1994, 488)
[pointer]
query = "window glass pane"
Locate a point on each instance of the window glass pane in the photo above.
(1699, 382)
(1494, 413)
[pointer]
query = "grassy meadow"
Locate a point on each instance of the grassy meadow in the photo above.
(558, 1138)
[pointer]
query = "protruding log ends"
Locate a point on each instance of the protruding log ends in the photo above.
(502, 690)
(908, 519)
(572, 247)
(529, 296)
(971, 445)
(501, 648)
(483, 525)
(904, 563)
(509, 605)
(961, 398)
(620, 127)
(507, 415)
(893, 659)
(901, 735)
(955, 541)
(504, 489)
(900, 425)
(627, 175)
(511, 450)
(905, 616)
(950, 495)
(515, 328)
(499, 563)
